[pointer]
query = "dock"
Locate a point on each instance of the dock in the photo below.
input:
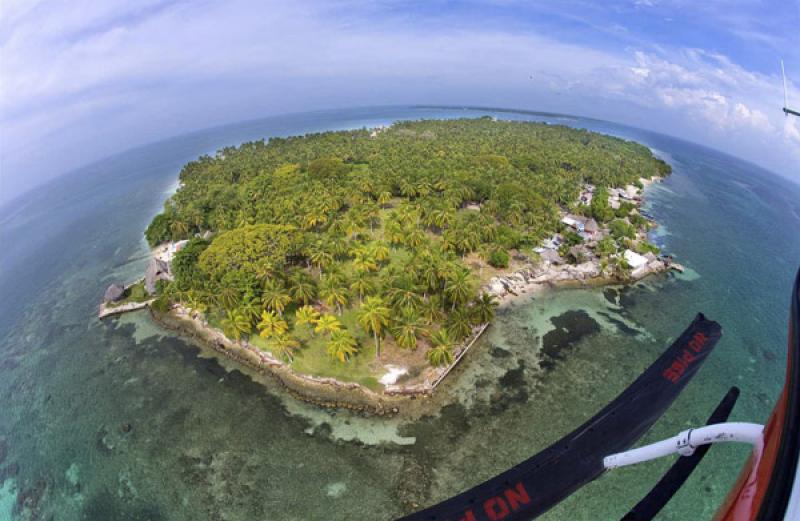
(107, 310)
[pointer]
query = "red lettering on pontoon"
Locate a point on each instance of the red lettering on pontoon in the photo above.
(499, 507)
(517, 497)
(496, 508)
(682, 362)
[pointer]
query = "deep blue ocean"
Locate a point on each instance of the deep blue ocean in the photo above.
(121, 420)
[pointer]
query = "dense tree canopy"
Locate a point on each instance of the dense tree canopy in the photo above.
(376, 224)
(250, 249)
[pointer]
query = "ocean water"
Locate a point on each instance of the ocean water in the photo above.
(122, 420)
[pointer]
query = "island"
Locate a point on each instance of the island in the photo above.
(360, 266)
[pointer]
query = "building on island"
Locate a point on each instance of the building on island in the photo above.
(574, 222)
(634, 260)
(157, 270)
(114, 293)
(569, 221)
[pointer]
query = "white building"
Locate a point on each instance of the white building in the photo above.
(634, 260)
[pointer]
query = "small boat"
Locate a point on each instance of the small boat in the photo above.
(768, 488)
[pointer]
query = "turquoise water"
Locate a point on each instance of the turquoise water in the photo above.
(206, 441)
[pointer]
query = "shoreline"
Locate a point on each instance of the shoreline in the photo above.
(523, 281)
(530, 280)
(323, 392)
(331, 393)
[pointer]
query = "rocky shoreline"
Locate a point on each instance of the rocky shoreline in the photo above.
(530, 279)
(335, 394)
(323, 392)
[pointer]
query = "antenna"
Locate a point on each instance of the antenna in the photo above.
(786, 109)
(783, 73)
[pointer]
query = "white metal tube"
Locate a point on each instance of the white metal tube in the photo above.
(741, 432)
(687, 441)
(646, 453)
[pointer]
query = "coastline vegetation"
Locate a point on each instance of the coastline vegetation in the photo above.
(330, 249)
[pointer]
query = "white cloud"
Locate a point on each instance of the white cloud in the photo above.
(710, 88)
(90, 78)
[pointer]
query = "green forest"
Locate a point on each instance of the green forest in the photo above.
(349, 243)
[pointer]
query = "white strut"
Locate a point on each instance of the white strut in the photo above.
(687, 441)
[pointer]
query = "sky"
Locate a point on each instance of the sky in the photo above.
(81, 80)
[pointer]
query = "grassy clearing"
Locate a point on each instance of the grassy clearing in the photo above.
(312, 357)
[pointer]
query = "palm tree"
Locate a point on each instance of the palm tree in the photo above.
(271, 325)
(459, 324)
(353, 226)
(458, 287)
(361, 285)
(228, 297)
(179, 228)
(285, 345)
(235, 324)
(431, 309)
(365, 262)
(364, 259)
(384, 198)
(327, 323)
(406, 329)
(424, 188)
(402, 293)
(251, 308)
(428, 273)
(342, 345)
(264, 271)
(514, 214)
(442, 351)
(313, 218)
(466, 242)
(379, 251)
(446, 218)
(393, 232)
(446, 269)
(320, 258)
(306, 315)
(370, 213)
(483, 309)
(333, 294)
(429, 217)
(449, 241)
(415, 238)
(303, 290)
(196, 302)
(407, 189)
(196, 218)
(373, 316)
(275, 297)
